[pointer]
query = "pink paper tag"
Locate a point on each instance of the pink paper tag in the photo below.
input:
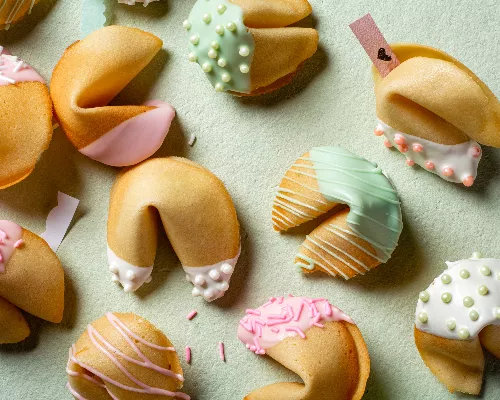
(375, 45)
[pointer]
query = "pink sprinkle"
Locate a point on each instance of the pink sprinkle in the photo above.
(191, 315)
(253, 312)
(301, 307)
(260, 322)
(447, 171)
(469, 181)
(275, 330)
(316, 321)
(188, 354)
(328, 308)
(247, 325)
(280, 300)
(19, 243)
(3, 235)
(221, 351)
(387, 144)
(276, 316)
(475, 151)
(418, 148)
(429, 165)
(290, 295)
(398, 139)
(403, 148)
(1, 258)
(410, 163)
(378, 131)
(296, 330)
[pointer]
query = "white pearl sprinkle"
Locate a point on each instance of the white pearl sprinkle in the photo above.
(219, 87)
(195, 39)
(474, 315)
(422, 317)
(114, 278)
(206, 18)
(222, 62)
(192, 57)
(244, 51)
(219, 29)
(227, 268)
(208, 294)
(131, 275)
(231, 26)
(214, 274)
(485, 270)
(127, 288)
(225, 77)
(199, 280)
(206, 67)
(187, 25)
(212, 53)
(244, 69)
(221, 8)
(446, 278)
(224, 286)
(451, 324)
(463, 333)
(476, 255)
(215, 45)
(196, 292)
(113, 268)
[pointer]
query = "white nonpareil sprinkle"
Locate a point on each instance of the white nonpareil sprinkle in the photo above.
(192, 139)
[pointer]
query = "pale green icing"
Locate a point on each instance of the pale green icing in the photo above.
(375, 211)
(221, 44)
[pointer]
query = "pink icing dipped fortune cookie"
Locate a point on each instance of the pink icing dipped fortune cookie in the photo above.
(315, 340)
(25, 119)
(89, 75)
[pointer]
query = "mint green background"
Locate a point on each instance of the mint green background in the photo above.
(249, 144)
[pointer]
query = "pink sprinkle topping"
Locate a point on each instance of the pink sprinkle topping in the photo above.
(410, 163)
(469, 181)
(378, 131)
(188, 354)
(399, 139)
(280, 300)
(299, 331)
(387, 144)
(3, 235)
(19, 243)
(447, 171)
(475, 151)
(403, 148)
(252, 312)
(222, 353)
(429, 165)
(275, 330)
(418, 148)
(191, 315)
(1, 258)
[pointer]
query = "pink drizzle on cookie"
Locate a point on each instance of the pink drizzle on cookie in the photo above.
(14, 70)
(115, 355)
(282, 317)
(10, 239)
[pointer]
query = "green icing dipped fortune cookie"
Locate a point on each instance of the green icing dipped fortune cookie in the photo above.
(356, 238)
(245, 47)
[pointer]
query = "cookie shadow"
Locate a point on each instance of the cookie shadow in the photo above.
(488, 171)
(23, 28)
(305, 75)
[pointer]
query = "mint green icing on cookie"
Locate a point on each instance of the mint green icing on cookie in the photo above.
(221, 44)
(375, 211)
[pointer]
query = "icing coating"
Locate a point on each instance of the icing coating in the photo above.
(14, 10)
(211, 281)
(454, 163)
(14, 70)
(129, 276)
(10, 239)
(135, 139)
(463, 300)
(375, 211)
(111, 352)
(283, 317)
(221, 44)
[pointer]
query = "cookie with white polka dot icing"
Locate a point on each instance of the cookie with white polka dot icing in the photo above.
(459, 312)
(434, 110)
(89, 75)
(245, 47)
(27, 134)
(31, 279)
(12, 11)
(197, 213)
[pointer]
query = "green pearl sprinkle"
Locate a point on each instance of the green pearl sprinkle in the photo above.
(446, 297)
(422, 317)
(222, 62)
(485, 270)
(219, 87)
(245, 69)
(474, 315)
(219, 29)
(482, 290)
(464, 274)
(221, 9)
(192, 57)
(206, 18)
(468, 301)
(206, 67)
(451, 325)
(225, 77)
(231, 26)
(498, 276)
(463, 333)
(195, 39)
(187, 25)
(445, 278)
(497, 313)
(215, 45)
(424, 296)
